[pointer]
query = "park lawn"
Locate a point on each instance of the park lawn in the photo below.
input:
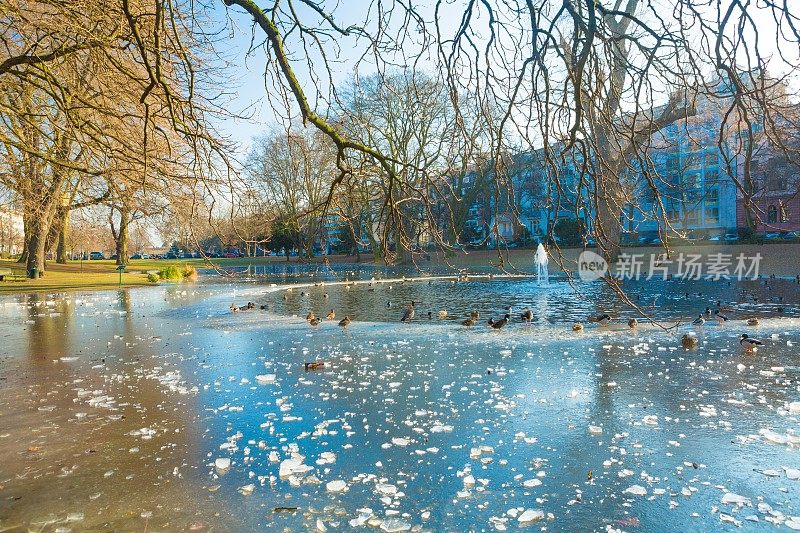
(91, 275)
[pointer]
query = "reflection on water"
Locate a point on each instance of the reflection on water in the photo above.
(423, 425)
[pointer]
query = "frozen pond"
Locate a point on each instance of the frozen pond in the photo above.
(159, 409)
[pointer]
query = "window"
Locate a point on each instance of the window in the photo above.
(673, 216)
(692, 217)
(712, 195)
(772, 214)
(712, 215)
(710, 159)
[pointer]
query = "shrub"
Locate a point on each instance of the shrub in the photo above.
(170, 272)
(189, 273)
(152, 277)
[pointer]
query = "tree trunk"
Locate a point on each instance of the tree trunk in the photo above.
(63, 230)
(610, 205)
(37, 244)
(122, 237)
(23, 257)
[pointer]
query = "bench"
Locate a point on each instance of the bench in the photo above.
(6, 274)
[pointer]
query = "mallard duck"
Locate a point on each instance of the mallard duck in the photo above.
(724, 308)
(315, 365)
(408, 314)
(699, 321)
(314, 321)
(719, 317)
(577, 326)
(344, 322)
(689, 341)
(601, 319)
(708, 312)
(233, 308)
(497, 324)
(633, 323)
(526, 315)
(331, 315)
(469, 322)
(752, 322)
(311, 315)
(474, 315)
(748, 343)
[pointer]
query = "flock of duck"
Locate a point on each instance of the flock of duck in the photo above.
(688, 341)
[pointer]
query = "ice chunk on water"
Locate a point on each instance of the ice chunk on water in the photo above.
(265, 379)
(735, 499)
(636, 490)
(336, 486)
(394, 525)
(529, 516)
(595, 430)
(222, 464)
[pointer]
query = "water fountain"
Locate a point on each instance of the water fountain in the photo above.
(541, 260)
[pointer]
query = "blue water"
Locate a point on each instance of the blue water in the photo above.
(174, 359)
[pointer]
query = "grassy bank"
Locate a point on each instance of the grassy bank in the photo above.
(778, 259)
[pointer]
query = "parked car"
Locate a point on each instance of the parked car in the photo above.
(96, 256)
(790, 235)
(730, 237)
(715, 238)
(772, 236)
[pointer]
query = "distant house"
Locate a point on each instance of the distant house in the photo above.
(773, 201)
(12, 232)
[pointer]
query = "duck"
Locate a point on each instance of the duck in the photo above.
(408, 314)
(469, 322)
(699, 321)
(331, 315)
(527, 315)
(315, 365)
(724, 308)
(263, 307)
(753, 321)
(708, 312)
(689, 341)
(633, 323)
(443, 313)
(601, 319)
(344, 322)
(311, 315)
(233, 308)
(474, 315)
(325, 295)
(314, 321)
(577, 326)
(720, 318)
(749, 343)
(497, 324)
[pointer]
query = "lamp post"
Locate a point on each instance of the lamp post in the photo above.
(120, 269)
